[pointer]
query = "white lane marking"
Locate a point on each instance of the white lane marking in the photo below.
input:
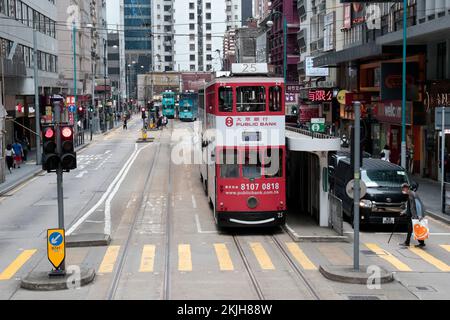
(194, 203)
(81, 175)
(400, 233)
(105, 195)
(107, 229)
(199, 227)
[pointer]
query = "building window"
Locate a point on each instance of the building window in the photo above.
(208, 26)
(191, 16)
(191, 26)
(192, 57)
(191, 5)
(192, 67)
(192, 47)
(441, 64)
(208, 5)
(208, 16)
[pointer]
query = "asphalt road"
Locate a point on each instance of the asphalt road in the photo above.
(165, 244)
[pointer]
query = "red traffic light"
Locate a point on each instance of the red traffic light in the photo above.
(67, 132)
(80, 109)
(49, 133)
(143, 109)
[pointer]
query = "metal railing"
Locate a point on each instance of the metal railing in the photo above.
(336, 215)
(79, 138)
(313, 135)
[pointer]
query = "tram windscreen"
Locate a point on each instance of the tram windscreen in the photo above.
(229, 165)
(251, 99)
(225, 99)
(273, 163)
(252, 166)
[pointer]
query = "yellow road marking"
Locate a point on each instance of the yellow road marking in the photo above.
(184, 257)
(107, 265)
(446, 247)
(262, 256)
(223, 256)
(388, 257)
(12, 269)
(148, 258)
(300, 256)
(431, 260)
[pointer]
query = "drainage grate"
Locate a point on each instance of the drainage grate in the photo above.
(423, 288)
(368, 252)
(363, 297)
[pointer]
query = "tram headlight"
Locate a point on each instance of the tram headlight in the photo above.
(252, 202)
(366, 204)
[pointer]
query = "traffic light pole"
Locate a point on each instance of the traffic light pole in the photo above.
(59, 171)
(356, 190)
(37, 110)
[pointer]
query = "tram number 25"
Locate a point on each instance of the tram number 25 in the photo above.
(257, 186)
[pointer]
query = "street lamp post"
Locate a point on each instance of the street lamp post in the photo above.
(403, 160)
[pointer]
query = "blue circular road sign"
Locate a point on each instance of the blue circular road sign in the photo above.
(55, 239)
(72, 109)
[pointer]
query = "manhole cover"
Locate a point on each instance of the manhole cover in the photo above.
(363, 297)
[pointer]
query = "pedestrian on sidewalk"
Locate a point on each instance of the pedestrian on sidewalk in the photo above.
(125, 124)
(386, 154)
(9, 157)
(412, 211)
(25, 147)
(18, 150)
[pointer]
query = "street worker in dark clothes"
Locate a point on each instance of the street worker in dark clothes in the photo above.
(414, 210)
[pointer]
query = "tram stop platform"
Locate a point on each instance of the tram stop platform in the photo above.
(302, 228)
(314, 214)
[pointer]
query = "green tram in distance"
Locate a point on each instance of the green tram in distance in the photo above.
(188, 106)
(168, 104)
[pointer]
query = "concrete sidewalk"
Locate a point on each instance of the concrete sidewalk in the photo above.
(29, 169)
(430, 193)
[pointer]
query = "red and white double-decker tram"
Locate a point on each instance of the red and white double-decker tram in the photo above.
(243, 147)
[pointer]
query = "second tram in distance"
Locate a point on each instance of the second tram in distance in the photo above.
(243, 148)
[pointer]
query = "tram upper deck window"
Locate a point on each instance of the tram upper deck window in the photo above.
(275, 102)
(251, 99)
(225, 99)
(273, 163)
(229, 165)
(252, 166)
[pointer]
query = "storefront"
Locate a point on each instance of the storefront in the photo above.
(388, 130)
(437, 94)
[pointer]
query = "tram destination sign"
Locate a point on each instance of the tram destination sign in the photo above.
(249, 68)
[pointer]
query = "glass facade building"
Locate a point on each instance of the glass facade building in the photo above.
(138, 41)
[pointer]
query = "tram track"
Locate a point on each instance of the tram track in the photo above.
(313, 293)
(289, 260)
(168, 242)
(123, 256)
(249, 270)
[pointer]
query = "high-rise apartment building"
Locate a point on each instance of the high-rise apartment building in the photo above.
(199, 27)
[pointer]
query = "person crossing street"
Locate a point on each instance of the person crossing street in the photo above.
(414, 210)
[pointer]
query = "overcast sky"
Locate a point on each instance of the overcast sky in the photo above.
(113, 13)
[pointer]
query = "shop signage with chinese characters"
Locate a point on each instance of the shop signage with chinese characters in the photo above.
(437, 94)
(320, 95)
(293, 88)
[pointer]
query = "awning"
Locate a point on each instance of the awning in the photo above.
(351, 54)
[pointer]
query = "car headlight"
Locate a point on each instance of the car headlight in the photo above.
(365, 204)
